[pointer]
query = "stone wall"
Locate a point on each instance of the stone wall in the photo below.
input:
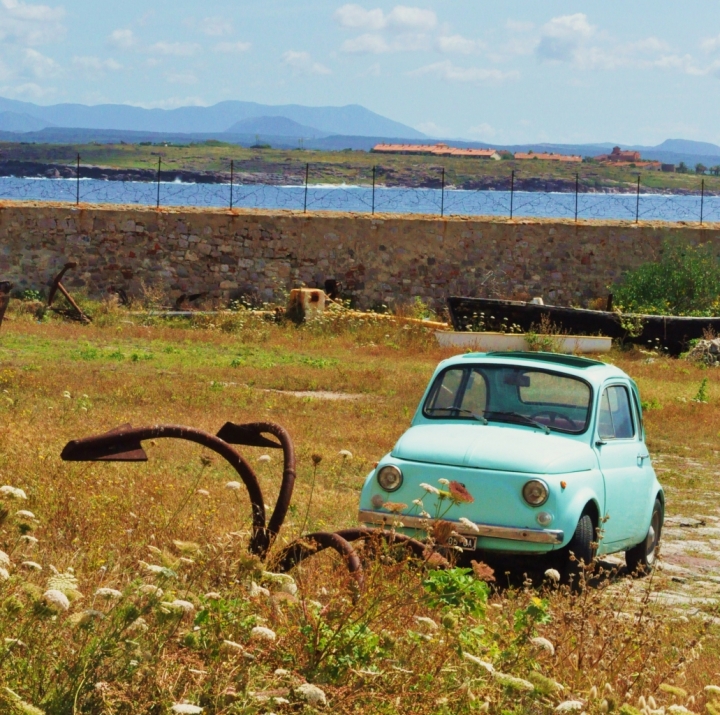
(381, 259)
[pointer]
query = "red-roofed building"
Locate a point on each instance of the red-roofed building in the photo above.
(618, 155)
(548, 157)
(435, 150)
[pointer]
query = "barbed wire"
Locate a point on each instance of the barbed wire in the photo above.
(365, 198)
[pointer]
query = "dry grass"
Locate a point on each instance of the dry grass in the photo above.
(62, 381)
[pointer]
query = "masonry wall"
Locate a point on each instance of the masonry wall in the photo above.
(382, 259)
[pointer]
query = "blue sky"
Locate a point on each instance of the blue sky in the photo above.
(514, 71)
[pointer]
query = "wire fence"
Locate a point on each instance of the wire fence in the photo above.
(300, 192)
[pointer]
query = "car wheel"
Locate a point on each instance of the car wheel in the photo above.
(582, 546)
(641, 558)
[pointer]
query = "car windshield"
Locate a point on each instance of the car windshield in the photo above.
(513, 394)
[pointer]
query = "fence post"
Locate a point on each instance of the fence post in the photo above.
(512, 191)
(637, 202)
(158, 182)
(77, 175)
(232, 176)
(702, 200)
(373, 193)
(577, 188)
(307, 174)
(442, 194)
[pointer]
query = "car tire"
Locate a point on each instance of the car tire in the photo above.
(642, 557)
(582, 546)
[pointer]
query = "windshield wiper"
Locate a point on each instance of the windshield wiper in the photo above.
(516, 417)
(472, 414)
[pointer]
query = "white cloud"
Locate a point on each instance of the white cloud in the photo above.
(452, 73)
(181, 77)
(233, 48)
(710, 44)
(401, 18)
(376, 44)
(178, 49)
(562, 36)
(216, 26)
(432, 129)
(171, 103)
(95, 65)
(519, 26)
(123, 39)
(303, 63)
(26, 24)
(30, 90)
(38, 65)
(483, 131)
(457, 44)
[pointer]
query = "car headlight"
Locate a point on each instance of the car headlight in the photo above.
(535, 492)
(390, 478)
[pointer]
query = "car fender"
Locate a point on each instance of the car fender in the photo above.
(574, 510)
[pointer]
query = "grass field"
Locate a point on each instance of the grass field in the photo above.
(412, 642)
(352, 166)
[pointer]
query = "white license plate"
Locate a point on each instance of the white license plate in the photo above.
(469, 543)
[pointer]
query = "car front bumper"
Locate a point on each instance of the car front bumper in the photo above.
(553, 537)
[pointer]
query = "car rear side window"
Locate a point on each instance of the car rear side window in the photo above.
(615, 417)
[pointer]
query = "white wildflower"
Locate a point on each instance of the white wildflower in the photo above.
(425, 515)
(25, 514)
(186, 709)
(510, 681)
(67, 395)
(139, 625)
(553, 575)
(231, 647)
(712, 689)
(233, 485)
(102, 686)
(256, 590)
(430, 489)
(444, 482)
(311, 694)
(679, 710)
(469, 524)
(264, 458)
(545, 644)
(4, 559)
(482, 663)
(151, 590)
(26, 538)
(425, 621)
(12, 492)
(418, 503)
(108, 593)
(568, 706)
(345, 453)
(31, 565)
(203, 492)
(262, 633)
(213, 596)
(4, 574)
(179, 605)
(57, 598)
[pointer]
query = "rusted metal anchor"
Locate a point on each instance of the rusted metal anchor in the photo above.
(77, 312)
(5, 288)
(124, 444)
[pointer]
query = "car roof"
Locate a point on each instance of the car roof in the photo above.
(591, 370)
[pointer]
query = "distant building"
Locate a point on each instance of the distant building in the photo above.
(669, 168)
(435, 150)
(548, 156)
(620, 156)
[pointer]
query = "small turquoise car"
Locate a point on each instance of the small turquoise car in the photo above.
(524, 453)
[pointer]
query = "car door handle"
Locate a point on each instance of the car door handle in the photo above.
(641, 458)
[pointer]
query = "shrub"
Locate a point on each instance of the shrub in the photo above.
(684, 281)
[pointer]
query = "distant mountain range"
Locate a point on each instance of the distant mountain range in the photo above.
(282, 126)
(221, 118)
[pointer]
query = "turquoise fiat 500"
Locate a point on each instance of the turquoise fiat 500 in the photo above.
(524, 453)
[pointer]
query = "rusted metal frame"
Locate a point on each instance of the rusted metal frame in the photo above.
(5, 288)
(58, 286)
(418, 549)
(312, 544)
(251, 434)
(124, 445)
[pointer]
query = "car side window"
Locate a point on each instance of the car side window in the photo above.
(615, 418)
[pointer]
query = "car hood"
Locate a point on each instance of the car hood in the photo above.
(500, 447)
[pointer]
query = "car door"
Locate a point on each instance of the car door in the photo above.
(621, 455)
